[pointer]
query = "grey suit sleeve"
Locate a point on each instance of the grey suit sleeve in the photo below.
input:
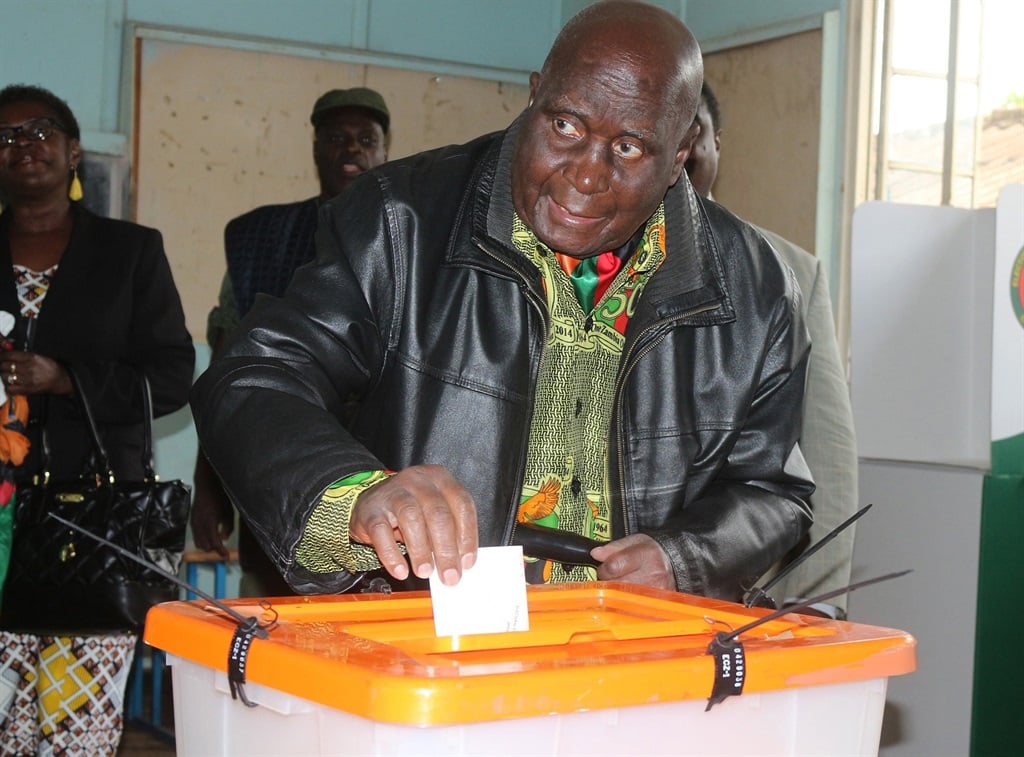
(829, 444)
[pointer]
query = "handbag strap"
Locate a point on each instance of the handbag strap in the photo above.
(102, 457)
(148, 470)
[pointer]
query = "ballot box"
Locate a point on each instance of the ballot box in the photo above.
(605, 668)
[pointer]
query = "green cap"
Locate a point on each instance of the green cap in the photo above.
(357, 97)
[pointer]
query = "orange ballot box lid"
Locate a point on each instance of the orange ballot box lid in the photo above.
(590, 646)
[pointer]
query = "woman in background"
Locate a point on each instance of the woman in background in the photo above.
(94, 296)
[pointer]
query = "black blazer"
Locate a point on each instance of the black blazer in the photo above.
(111, 313)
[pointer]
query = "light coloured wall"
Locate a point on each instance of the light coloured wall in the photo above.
(79, 49)
(83, 50)
(770, 97)
(723, 19)
(223, 130)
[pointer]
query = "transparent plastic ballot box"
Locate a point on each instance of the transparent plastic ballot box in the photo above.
(604, 669)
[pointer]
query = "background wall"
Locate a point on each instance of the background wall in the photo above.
(770, 97)
(223, 130)
(82, 50)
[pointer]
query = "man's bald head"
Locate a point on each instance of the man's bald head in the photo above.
(608, 128)
(652, 37)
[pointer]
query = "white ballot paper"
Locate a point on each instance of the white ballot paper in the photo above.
(489, 598)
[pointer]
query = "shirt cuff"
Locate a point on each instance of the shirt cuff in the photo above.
(325, 545)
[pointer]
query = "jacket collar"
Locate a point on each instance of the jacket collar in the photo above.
(691, 281)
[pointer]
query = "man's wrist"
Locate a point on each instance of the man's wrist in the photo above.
(326, 543)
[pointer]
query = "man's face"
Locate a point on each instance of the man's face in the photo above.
(596, 153)
(348, 142)
(702, 165)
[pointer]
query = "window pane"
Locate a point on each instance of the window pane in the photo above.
(1001, 155)
(988, 131)
(962, 188)
(1002, 63)
(914, 187)
(968, 59)
(1001, 149)
(917, 118)
(921, 35)
(966, 125)
(872, 173)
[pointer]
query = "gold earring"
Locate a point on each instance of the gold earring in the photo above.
(75, 190)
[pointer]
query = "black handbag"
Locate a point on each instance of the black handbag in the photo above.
(62, 581)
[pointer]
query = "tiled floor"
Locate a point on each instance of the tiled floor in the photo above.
(139, 741)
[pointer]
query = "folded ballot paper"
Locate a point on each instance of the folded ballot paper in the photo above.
(490, 597)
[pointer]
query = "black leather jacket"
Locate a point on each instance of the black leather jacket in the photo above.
(419, 308)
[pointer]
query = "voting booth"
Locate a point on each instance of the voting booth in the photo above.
(937, 382)
(604, 668)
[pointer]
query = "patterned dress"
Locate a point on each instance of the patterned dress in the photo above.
(60, 695)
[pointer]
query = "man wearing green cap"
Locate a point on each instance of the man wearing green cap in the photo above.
(264, 247)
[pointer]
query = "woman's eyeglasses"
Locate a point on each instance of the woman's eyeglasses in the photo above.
(35, 130)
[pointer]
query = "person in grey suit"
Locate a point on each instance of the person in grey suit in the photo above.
(828, 439)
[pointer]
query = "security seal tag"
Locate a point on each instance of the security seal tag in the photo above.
(238, 656)
(730, 668)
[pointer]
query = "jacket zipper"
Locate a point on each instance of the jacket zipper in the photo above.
(630, 365)
(510, 522)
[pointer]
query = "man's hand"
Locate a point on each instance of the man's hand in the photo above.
(426, 509)
(636, 559)
(213, 517)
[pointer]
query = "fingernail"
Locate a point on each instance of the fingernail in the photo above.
(468, 560)
(401, 571)
(423, 569)
(450, 577)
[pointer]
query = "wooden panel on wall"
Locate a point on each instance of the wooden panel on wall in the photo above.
(770, 97)
(220, 131)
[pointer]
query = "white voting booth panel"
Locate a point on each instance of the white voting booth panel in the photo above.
(925, 382)
(921, 332)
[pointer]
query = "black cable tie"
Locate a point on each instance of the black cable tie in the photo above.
(813, 601)
(758, 597)
(727, 649)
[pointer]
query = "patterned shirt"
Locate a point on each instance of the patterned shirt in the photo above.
(566, 483)
(32, 287)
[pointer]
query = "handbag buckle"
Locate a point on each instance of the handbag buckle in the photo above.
(70, 498)
(67, 552)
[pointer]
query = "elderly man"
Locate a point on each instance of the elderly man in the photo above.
(542, 327)
(828, 435)
(263, 248)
